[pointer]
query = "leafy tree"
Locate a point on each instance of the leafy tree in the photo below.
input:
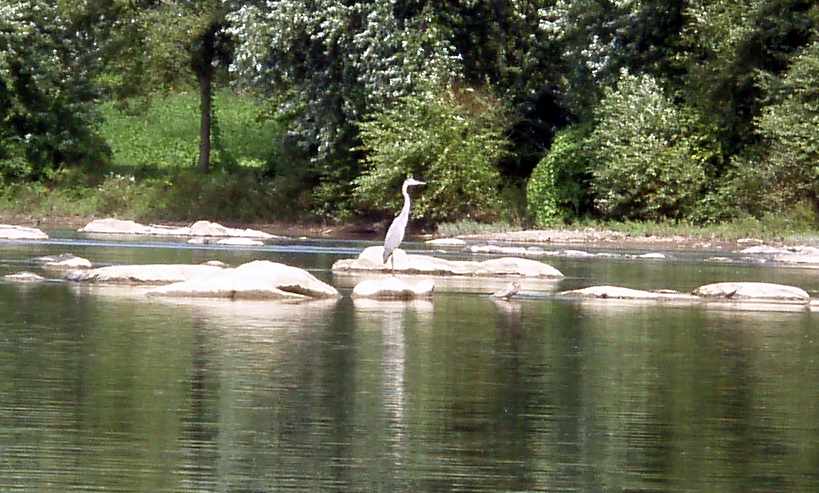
(650, 161)
(330, 63)
(790, 126)
(559, 185)
(453, 140)
(47, 112)
(726, 42)
(168, 44)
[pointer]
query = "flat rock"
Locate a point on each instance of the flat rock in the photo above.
(11, 232)
(197, 229)
(621, 293)
(63, 261)
(393, 288)
(753, 291)
(240, 242)
(446, 242)
(370, 260)
(260, 279)
(511, 250)
(149, 274)
(24, 277)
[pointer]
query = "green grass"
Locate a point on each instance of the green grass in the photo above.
(165, 134)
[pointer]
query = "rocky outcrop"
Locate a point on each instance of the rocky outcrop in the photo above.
(62, 261)
(802, 255)
(753, 291)
(24, 277)
(11, 232)
(447, 243)
(260, 279)
(199, 228)
(149, 274)
(370, 260)
(393, 288)
(621, 293)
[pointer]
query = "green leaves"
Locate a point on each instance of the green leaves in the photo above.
(649, 164)
(451, 140)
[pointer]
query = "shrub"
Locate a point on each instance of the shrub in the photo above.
(558, 187)
(451, 140)
(650, 158)
(789, 126)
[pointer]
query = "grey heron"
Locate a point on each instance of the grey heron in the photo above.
(395, 234)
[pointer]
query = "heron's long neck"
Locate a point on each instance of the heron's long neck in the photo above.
(405, 210)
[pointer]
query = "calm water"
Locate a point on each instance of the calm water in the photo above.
(103, 390)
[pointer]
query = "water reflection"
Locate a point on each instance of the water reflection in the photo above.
(104, 389)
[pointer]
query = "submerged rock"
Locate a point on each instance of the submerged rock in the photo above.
(621, 293)
(63, 261)
(24, 277)
(240, 242)
(11, 232)
(371, 260)
(393, 288)
(197, 229)
(260, 279)
(753, 291)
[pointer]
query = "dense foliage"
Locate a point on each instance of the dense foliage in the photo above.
(452, 140)
(47, 114)
(703, 110)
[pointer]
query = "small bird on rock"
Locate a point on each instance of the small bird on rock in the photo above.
(510, 290)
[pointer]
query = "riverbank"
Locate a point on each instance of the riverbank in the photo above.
(640, 236)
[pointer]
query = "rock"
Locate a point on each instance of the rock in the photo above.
(652, 256)
(260, 279)
(393, 288)
(765, 250)
(370, 260)
(508, 250)
(752, 291)
(63, 261)
(115, 226)
(142, 274)
(240, 242)
(199, 229)
(215, 263)
(11, 232)
(207, 228)
(621, 293)
(446, 242)
(24, 277)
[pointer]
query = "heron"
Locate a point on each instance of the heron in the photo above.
(395, 235)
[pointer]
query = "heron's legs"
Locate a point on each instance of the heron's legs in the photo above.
(392, 263)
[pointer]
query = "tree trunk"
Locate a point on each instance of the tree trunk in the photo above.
(206, 109)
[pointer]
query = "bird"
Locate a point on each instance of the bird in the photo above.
(395, 234)
(510, 290)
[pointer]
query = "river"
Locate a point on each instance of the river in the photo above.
(102, 390)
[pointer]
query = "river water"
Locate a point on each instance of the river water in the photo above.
(103, 390)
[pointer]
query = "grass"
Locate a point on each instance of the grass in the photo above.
(165, 134)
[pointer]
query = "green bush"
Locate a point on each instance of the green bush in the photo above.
(650, 159)
(790, 126)
(48, 118)
(451, 140)
(558, 187)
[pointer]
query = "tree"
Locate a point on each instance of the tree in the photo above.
(789, 126)
(452, 139)
(650, 161)
(47, 99)
(330, 63)
(167, 44)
